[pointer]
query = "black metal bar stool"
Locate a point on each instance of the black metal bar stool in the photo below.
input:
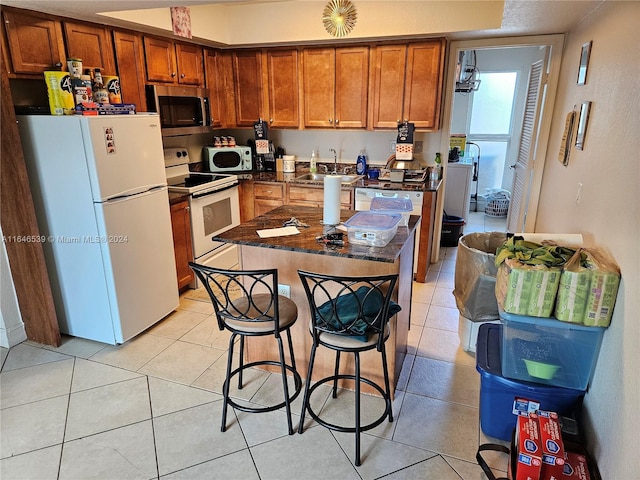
(349, 314)
(247, 303)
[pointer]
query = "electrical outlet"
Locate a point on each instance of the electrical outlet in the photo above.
(392, 146)
(284, 290)
(417, 147)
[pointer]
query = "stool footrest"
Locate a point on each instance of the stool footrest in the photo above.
(339, 428)
(292, 396)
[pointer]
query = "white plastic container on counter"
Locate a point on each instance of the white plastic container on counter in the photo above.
(371, 228)
(401, 206)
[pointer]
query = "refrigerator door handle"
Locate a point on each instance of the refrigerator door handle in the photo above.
(140, 193)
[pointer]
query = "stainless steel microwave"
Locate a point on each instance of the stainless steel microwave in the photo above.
(182, 110)
(228, 159)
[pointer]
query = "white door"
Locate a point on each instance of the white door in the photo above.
(522, 176)
(124, 154)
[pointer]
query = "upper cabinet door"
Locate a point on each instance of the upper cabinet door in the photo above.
(423, 84)
(387, 85)
(247, 74)
(352, 80)
(215, 84)
(130, 62)
(160, 57)
(92, 44)
(35, 43)
(190, 64)
(319, 76)
(282, 71)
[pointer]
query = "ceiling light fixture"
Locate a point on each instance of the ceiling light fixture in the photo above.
(339, 17)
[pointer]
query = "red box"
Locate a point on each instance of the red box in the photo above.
(552, 446)
(576, 467)
(528, 448)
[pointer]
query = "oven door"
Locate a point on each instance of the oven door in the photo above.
(211, 214)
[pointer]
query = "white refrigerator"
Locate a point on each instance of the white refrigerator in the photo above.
(99, 188)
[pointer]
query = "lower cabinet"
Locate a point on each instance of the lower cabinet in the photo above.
(313, 196)
(182, 244)
(267, 196)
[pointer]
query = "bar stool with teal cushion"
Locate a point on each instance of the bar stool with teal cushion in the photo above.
(351, 315)
(246, 302)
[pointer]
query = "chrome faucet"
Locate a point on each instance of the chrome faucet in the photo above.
(335, 161)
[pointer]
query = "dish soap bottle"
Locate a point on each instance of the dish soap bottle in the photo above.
(361, 163)
(313, 167)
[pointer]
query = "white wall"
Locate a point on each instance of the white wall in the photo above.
(608, 214)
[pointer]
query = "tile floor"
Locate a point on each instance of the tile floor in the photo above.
(151, 408)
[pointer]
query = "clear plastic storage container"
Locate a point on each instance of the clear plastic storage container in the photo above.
(371, 228)
(401, 206)
(548, 351)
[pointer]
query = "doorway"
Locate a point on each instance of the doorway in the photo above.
(501, 55)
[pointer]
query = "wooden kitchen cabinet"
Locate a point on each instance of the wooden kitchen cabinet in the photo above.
(267, 196)
(34, 43)
(407, 84)
(130, 66)
(182, 244)
(247, 207)
(174, 63)
(313, 196)
(335, 83)
(214, 77)
(247, 78)
(282, 88)
(91, 43)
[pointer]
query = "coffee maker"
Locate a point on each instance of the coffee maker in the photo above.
(268, 160)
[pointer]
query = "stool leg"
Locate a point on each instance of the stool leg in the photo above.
(285, 387)
(293, 358)
(386, 381)
(334, 394)
(357, 359)
(225, 386)
(241, 362)
(307, 385)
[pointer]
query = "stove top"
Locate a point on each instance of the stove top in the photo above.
(181, 180)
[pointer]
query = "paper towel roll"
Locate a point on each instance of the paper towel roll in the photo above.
(331, 211)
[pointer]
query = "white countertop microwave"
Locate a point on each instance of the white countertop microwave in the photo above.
(228, 159)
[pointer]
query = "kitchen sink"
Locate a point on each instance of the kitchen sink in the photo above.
(319, 177)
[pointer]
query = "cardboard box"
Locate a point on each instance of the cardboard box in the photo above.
(60, 92)
(528, 448)
(576, 467)
(553, 453)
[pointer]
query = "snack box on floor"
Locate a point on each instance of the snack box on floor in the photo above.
(498, 394)
(548, 351)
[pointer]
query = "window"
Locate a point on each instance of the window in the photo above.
(492, 104)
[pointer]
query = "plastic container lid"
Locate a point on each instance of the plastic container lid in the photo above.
(373, 220)
(391, 205)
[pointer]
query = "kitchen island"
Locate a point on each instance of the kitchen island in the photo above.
(303, 252)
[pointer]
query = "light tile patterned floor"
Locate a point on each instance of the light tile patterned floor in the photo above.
(151, 408)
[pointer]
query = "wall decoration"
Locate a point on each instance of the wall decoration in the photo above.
(582, 125)
(339, 17)
(584, 63)
(181, 21)
(567, 137)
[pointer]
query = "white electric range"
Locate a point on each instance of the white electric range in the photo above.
(214, 207)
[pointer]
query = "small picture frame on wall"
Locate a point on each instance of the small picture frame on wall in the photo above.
(582, 125)
(584, 63)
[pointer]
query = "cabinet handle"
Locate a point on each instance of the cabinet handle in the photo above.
(58, 64)
(187, 209)
(173, 74)
(337, 121)
(182, 75)
(271, 120)
(331, 120)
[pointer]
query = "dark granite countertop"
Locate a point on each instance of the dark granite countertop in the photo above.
(364, 182)
(246, 234)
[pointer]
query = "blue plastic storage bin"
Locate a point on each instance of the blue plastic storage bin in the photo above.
(497, 393)
(548, 351)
